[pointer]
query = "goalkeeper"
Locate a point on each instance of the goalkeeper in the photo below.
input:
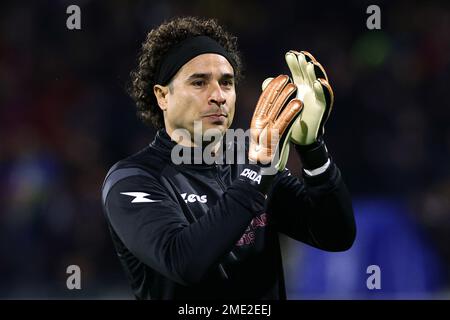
(210, 231)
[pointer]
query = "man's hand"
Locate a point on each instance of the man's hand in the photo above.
(314, 91)
(307, 128)
(271, 119)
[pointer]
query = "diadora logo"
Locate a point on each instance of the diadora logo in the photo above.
(193, 198)
(252, 175)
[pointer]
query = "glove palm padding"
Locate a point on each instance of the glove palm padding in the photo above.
(314, 91)
(271, 119)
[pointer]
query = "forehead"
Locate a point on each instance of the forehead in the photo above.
(206, 63)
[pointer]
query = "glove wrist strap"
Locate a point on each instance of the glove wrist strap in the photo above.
(256, 176)
(314, 155)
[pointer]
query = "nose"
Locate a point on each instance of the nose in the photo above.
(217, 95)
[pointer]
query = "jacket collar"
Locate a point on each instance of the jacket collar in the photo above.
(190, 155)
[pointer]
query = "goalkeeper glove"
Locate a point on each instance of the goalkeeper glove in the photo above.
(315, 92)
(271, 120)
(317, 96)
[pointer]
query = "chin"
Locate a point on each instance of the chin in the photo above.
(214, 130)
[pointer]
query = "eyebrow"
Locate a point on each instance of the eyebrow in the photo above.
(208, 76)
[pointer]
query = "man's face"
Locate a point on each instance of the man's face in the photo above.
(203, 90)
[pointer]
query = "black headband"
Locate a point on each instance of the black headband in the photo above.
(184, 51)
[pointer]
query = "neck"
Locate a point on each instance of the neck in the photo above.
(198, 139)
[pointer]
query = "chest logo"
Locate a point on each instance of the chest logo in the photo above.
(193, 198)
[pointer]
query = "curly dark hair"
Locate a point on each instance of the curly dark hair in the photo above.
(156, 46)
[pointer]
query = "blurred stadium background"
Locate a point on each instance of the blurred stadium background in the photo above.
(65, 119)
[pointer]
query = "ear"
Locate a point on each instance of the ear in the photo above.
(161, 93)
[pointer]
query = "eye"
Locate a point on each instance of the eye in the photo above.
(198, 83)
(227, 83)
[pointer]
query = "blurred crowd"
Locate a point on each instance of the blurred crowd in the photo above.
(65, 118)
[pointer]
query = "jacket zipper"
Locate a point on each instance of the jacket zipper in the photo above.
(221, 265)
(219, 179)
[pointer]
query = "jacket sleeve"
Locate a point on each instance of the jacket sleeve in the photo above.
(316, 210)
(151, 224)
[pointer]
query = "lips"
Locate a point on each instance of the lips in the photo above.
(216, 117)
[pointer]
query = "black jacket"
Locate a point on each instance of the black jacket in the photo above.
(199, 231)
